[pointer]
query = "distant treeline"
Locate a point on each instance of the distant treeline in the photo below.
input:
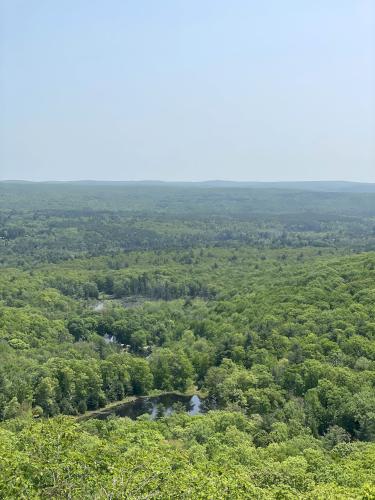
(41, 223)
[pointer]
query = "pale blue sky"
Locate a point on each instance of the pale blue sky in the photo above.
(187, 90)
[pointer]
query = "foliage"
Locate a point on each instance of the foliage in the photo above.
(237, 293)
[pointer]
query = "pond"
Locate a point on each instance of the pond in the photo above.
(157, 406)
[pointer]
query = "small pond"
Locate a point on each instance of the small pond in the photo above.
(157, 406)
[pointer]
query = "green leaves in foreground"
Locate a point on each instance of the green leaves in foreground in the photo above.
(140, 459)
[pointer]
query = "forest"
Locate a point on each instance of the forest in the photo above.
(260, 300)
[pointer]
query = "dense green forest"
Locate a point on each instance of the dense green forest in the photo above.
(262, 300)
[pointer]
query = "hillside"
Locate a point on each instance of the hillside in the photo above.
(266, 311)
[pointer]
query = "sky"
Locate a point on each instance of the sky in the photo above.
(187, 90)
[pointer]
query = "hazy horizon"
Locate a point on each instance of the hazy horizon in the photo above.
(187, 91)
(203, 181)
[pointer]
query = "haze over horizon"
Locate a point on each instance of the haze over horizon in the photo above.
(197, 91)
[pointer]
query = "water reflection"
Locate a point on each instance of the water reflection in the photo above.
(157, 407)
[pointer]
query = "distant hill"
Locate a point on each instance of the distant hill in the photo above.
(327, 186)
(321, 186)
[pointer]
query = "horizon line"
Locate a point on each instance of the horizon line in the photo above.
(206, 181)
